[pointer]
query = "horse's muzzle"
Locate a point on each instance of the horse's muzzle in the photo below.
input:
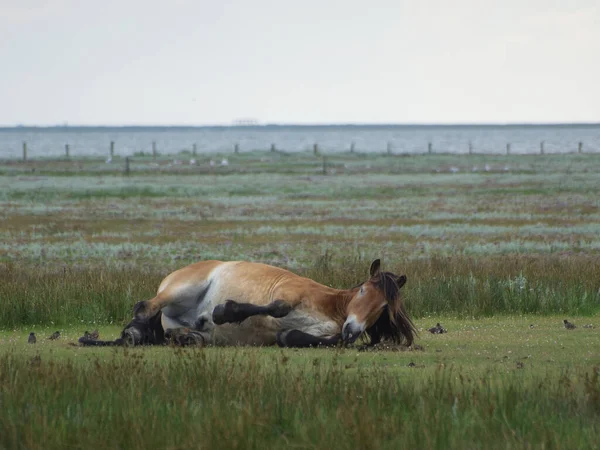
(350, 332)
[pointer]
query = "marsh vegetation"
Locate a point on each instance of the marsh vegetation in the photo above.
(490, 246)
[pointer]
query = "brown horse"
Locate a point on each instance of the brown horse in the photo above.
(246, 303)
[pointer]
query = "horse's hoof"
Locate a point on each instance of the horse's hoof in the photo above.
(131, 337)
(280, 339)
(218, 315)
(226, 313)
(279, 309)
(184, 337)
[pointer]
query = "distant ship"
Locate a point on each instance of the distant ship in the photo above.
(245, 123)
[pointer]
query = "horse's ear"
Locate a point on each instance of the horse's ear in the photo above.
(401, 281)
(375, 266)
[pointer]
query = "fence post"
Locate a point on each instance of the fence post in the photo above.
(389, 148)
(67, 150)
(508, 148)
(542, 148)
(429, 146)
(580, 147)
(194, 148)
(153, 150)
(112, 148)
(24, 151)
(352, 147)
(273, 148)
(127, 165)
(316, 150)
(236, 148)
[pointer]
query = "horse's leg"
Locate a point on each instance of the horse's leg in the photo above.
(297, 338)
(232, 311)
(184, 337)
(147, 309)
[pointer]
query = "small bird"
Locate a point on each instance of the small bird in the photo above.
(32, 339)
(411, 364)
(569, 325)
(438, 329)
(520, 365)
(532, 326)
(54, 335)
(95, 335)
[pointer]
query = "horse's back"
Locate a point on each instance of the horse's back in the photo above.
(248, 282)
(213, 282)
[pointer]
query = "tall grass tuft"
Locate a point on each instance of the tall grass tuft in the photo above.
(482, 286)
(67, 295)
(462, 286)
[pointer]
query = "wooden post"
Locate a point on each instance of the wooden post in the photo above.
(389, 148)
(24, 151)
(580, 147)
(127, 165)
(112, 148)
(273, 148)
(153, 150)
(352, 147)
(542, 148)
(67, 150)
(324, 165)
(194, 148)
(470, 148)
(236, 148)
(316, 150)
(429, 146)
(508, 148)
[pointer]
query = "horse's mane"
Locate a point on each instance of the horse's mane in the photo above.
(393, 323)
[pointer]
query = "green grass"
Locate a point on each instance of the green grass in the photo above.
(466, 390)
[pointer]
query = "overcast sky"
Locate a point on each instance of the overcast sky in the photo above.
(310, 61)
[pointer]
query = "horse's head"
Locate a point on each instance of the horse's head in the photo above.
(377, 308)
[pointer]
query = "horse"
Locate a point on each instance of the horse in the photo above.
(246, 303)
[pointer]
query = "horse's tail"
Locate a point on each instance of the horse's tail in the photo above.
(86, 342)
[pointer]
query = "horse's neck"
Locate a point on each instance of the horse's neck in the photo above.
(335, 303)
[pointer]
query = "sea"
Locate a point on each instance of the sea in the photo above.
(44, 142)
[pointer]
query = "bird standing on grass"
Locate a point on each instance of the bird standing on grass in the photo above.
(54, 335)
(32, 339)
(438, 329)
(569, 325)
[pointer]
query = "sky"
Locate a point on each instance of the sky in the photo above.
(200, 62)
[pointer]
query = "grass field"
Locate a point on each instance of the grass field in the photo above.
(490, 245)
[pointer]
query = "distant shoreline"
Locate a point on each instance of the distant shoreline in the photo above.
(334, 126)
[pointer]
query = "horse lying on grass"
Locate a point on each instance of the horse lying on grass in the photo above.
(245, 303)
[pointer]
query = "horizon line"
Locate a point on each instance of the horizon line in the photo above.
(300, 124)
